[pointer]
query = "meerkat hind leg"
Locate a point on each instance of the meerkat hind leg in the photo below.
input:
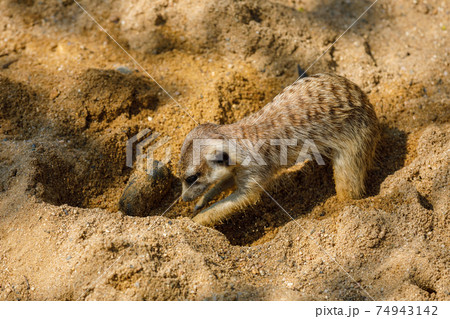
(350, 171)
(220, 187)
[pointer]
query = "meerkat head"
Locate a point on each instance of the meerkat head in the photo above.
(205, 160)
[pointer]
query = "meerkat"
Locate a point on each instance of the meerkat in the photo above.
(330, 112)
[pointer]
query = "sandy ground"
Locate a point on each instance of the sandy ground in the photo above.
(70, 98)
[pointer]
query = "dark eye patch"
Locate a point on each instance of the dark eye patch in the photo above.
(191, 179)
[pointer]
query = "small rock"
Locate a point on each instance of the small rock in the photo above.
(124, 70)
(114, 19)
(54, 93)
(145, 191)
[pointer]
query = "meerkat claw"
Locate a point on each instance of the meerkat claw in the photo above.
(199, 205)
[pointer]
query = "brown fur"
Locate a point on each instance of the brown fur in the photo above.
(327, 109)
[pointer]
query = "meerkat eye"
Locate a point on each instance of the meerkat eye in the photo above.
(191, 179)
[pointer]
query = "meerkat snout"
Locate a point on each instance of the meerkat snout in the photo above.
(194, 190)
(325, 110)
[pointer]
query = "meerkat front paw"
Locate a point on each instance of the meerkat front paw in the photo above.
(203, 219)
(210, 216)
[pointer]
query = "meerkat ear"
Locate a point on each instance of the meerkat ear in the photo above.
(221, 157)
(222, 153)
